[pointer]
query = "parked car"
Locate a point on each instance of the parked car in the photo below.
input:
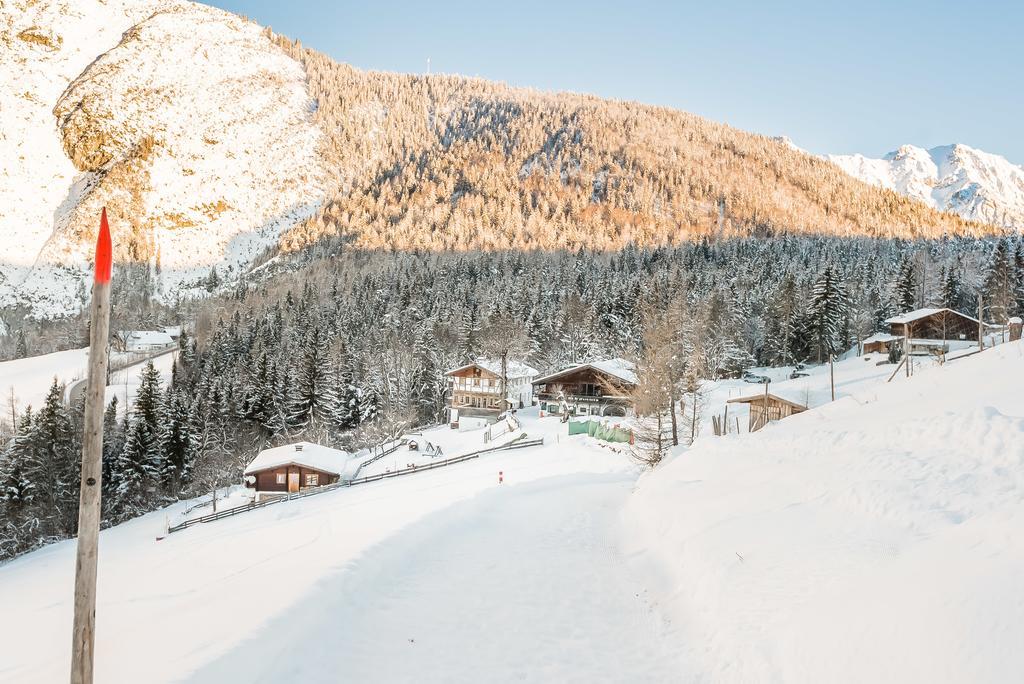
(755, 378)
(798, 374)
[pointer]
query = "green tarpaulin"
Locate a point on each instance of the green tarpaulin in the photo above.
(598, 430)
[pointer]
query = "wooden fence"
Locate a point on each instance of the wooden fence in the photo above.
(518, 443)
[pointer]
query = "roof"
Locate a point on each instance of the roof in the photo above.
(881, 337)
(616, 368)
(314, 456)
(516, 369)
(918, 314)
(148, 337)
(760, 395)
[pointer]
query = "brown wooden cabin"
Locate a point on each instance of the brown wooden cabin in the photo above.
(935, 324)
(294, 467)
(600, 388)
(765, 407)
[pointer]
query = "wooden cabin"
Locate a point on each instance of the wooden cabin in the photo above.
(294, 467)
(476, 391)
(936, 324)
(597, 388)
(765, 407)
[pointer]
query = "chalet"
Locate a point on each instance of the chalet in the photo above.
(476, 392)
(598, 388)
(930, 328)
(765, 407)
(294, 467)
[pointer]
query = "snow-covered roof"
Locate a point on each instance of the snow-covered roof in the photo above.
(516, 369)
(173, 330)
(617, 368)
(315, 456)
(881, 337)
(790, 395)
(918, 314)
(148, 337)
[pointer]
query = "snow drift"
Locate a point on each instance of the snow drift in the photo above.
(854, 542)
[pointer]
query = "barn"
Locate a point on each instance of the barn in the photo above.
(294, 467)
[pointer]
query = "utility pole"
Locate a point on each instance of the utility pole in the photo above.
(84, 629)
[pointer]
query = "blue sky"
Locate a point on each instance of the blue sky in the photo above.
(836, 77)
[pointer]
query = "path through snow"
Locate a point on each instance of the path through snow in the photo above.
(521, 583)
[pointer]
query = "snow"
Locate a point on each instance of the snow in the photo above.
(977, 185)
(515, 369)
(316, 456)
(918, 314)
(185, 608)
(30, 378)
(619, 368)
(148, 338)
(874, 539)
(231, 154)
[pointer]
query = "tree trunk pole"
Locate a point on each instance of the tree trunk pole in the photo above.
(84, 629)
(832, 374)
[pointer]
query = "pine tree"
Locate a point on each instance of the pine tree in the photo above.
(905, 289)
(827, 313)
(1000, 285)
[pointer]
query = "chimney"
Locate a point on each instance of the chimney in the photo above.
(298, 447)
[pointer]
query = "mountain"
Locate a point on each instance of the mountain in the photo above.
(976, 185)
(213, 142)
(187, 122)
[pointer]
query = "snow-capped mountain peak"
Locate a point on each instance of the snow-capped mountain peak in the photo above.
(957, 178)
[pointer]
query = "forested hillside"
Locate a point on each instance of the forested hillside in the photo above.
(448, 162)
(344, 346)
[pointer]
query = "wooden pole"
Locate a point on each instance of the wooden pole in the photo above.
(832, 374)
(981, 324)
(84, 629)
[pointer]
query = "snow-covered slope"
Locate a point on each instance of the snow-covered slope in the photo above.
(876, 539)
(198, 171)
(974, 184)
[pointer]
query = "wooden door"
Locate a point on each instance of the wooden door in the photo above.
(293, 482)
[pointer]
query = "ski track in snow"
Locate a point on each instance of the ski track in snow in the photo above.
(521, 583)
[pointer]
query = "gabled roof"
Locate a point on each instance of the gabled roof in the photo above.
(881, 337)
(516, 369)
(918, 314)
(314, 456)
(148, 337)
(620, 369)
(761, 395)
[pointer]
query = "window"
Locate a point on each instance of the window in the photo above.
(281, 478)
(312, 479)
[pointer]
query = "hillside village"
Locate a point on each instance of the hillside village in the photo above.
(315, 372)
(140, 580)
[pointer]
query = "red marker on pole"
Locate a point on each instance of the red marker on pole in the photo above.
(501, 476)
(83, 631)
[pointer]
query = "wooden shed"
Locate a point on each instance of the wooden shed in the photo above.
(294, 467)
(766, 406)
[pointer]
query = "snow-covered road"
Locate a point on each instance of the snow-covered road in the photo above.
(520, 583)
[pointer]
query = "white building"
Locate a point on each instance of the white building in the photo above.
(146, 341)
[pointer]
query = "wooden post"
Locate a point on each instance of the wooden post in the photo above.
(981, 324)
(906, 347)
(84, 628)
(832, 374)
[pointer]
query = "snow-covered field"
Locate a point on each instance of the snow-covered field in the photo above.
(877, 539)
(29, 379)
(873, 539)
